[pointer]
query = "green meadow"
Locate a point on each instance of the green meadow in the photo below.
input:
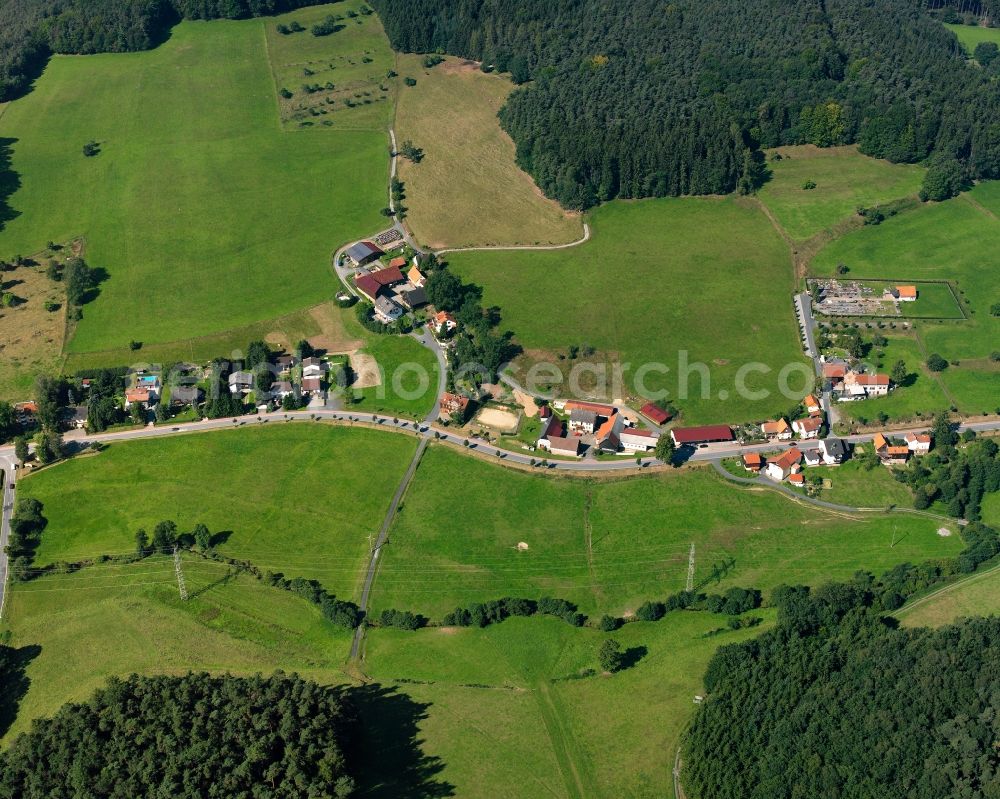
(115, 620)
(205, 215)
(953, 241)
(296, 498)
(844, 180)
(705, 279)
(971, 35)
(976, 595)
(852, 484)
(610, 545)
(517, 709)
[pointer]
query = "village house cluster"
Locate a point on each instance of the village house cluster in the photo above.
(390, 292)
(594, 427)
(848, 384)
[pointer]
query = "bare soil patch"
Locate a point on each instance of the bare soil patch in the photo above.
(366, 371)
(504, 421)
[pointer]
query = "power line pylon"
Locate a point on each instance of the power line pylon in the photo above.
(690, 580)
(180, 574)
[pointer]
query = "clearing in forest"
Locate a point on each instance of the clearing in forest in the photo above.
(467, 190)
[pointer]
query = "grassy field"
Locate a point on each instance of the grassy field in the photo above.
(349, 67)
(294, 498)
(971, 35)
(115, 620)
(978, 595)
(467, 190)
(205, 215)
(852, 484)
(520, 690)
(709, 280)
(921, 393)
(844, 180)
(943, 241)
(611, 545)
(991, 510)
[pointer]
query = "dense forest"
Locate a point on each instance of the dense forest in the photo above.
(853, 708)
(31, 30)
(648, 98)
(193, 736)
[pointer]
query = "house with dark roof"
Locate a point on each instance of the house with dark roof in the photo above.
(185, 395)
(75, 417)
(582, 421)
(412, 296)
(707, 434)
(376, 284)
(552, 429)
(240, 382)
(312, 385)
(363, 252)
(834, 451)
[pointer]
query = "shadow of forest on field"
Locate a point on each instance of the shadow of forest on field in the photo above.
(10, 181)
(14, 681)
(392, 763)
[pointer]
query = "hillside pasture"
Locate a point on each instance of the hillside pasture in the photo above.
(529, 689)
(204, 214)
(845, 179)
(346, 71)
(611, 545)
(116, 620)
(467, 190)
(293, 498)
(668, 283)
(971, 35)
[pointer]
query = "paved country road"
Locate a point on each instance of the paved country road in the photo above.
(7, 466)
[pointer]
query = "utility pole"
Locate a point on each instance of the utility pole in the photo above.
(180, 574)
(690, 580)
(371, 546)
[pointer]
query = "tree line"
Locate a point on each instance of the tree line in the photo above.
(683, 102)
(190, 736)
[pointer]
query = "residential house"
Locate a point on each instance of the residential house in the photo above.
(895, 455)
(185, 395)
(281, 389)
(654, 413)
(416, 277)
(313, 367)
(312, 385)
(553, 429)
(285, 363)
(76, 417)
(378, 283)
(753, 462)
(412, 296)
(918, 443)
(635, 440)
(780, 466)
(240, 382)
(797, 479)
(559, 445)
(25, 413)
(149, 382)
(582, 421)
(607, 437)
(834, 370)
(397, 263)
(387, 311)
(812, 405)
(363, 252)
(860, 386)
(808, 427)
(779, 429)
(701, 435)
(812, 457)
(453, 403)
(880, 443)
(139, 395)
(443, 322)
(834, 451)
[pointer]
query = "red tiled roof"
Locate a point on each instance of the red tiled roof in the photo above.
(601, 410)
(553, 428)
(311, 384)
(879, 441)
(774, 428)
(655, 413)
(137, 395)
(787, 460)
(695, 435)
(871, 380)
(907, 291)
(454, 401)
(834, 369)
(810, 425)
(398, 262)
(797, 478)
(753, 459)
